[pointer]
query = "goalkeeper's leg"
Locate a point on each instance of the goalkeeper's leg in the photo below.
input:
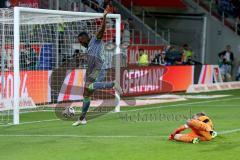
(187, 138)
(205, 136)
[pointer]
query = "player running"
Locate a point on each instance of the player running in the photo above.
(96, 71)
(202, 130)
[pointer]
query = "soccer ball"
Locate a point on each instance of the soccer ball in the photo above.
(68, 112)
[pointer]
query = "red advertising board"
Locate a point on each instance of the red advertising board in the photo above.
(135, 81)
(156, 79)
(25, 3)
(133, 53)
(33, 84)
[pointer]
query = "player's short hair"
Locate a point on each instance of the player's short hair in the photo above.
(83, 34)
(201, 114)
(141, 49)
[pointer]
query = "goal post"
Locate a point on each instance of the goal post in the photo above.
(53, 32)
(16, 70)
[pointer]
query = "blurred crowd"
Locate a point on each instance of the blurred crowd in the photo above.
(185, 56)
(100, 5)
(229, 7)
(170, 56)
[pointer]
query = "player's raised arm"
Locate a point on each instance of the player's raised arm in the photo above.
(103, 25)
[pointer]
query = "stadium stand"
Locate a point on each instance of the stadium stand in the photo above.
(157, 4)
(224, 10)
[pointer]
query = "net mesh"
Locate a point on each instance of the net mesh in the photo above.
(52, 62)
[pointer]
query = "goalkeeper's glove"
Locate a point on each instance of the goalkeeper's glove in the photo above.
(213, 133)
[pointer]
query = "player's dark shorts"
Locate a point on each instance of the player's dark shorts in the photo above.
(94, 67)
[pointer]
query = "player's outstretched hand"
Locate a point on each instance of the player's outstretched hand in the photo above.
(106, 11)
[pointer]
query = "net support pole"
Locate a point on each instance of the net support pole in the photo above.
(16, 65)
(118, 61)
(204, 40)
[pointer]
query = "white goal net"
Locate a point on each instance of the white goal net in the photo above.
(42, 62)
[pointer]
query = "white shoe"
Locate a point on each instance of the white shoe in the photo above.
(77, 123)
(117, 87)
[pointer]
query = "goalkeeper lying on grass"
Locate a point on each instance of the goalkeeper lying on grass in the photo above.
(202, 130)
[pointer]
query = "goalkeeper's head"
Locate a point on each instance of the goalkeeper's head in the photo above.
(197, 115)
(84, 39)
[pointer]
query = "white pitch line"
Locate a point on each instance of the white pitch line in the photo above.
(83, 136)
(229, 131)
(31, 122)
(221, 105)
(182, 104)
(104, 136)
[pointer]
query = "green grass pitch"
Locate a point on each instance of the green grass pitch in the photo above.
(139, 133)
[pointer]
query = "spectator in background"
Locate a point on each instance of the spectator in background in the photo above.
(226, 59)
(238, 73)
(227, 55)
(159, 59)
(187, 54)
(163, 61)
(143, 58)
(95, 5)
(105, 4)
(224, 69)
(111, 7)
(156, 59)
(28, 58)
(173, 56)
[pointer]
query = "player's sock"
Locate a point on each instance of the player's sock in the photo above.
(86, 104)
(101, 85)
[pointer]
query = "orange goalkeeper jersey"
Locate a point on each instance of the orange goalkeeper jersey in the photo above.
(206, 120)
